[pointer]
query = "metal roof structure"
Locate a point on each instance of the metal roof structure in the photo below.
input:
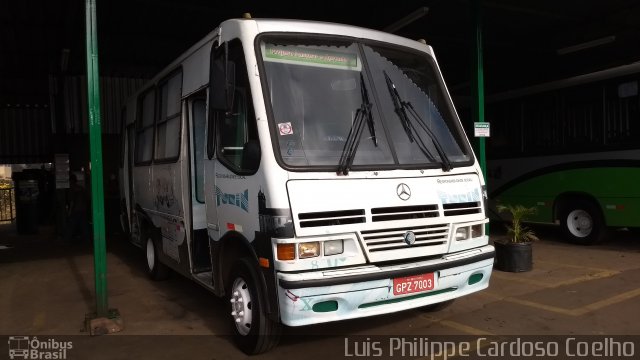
(525, 43)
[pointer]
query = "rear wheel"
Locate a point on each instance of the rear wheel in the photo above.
(582, 222)
(253, 331)
(155, 269)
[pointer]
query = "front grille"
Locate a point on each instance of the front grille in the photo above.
(404, 212)
(464, 208)
(390, 239)
(331, 218)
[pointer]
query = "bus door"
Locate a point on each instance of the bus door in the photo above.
(210, 182)
(233, 150)
(198, 241)
(126, 178)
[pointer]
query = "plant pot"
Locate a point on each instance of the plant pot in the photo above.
(513, 257)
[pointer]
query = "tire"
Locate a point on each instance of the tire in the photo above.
(253, 331)
(582, 222)
(155, 269)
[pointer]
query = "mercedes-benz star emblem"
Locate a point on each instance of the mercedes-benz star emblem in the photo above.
(403, 191)
(410, 238)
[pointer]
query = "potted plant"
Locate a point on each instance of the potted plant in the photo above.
(514, 253)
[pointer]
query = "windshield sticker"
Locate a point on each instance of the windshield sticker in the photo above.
(285, 128)
(302, 55)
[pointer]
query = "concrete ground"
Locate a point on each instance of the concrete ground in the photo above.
(46, 288)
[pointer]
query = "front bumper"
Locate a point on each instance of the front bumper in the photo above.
(332, 295)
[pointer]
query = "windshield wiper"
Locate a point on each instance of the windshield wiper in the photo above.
(401, 107)
(353, 139)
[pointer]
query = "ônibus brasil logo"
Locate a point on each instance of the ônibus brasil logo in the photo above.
(25, 347)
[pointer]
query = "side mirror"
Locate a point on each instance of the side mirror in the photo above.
(251, 155)
(218, 82)
(230, 84)
(223, 76)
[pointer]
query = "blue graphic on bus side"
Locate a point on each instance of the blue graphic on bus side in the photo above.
(240, 200)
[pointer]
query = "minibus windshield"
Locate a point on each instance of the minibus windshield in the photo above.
(314, 87)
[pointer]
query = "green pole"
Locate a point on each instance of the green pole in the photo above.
(478, 81)
(95, 141)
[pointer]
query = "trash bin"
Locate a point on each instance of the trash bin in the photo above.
(26, 192)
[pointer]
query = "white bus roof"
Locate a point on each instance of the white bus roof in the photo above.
(318, 27)
(284, 26)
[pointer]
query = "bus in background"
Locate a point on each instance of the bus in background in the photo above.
(570, 148)
(308, 172)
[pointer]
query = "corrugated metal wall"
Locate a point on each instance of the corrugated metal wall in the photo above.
(25, 133)
(113, 93)
(27, 130)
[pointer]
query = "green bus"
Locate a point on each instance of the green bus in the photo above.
(570, 148)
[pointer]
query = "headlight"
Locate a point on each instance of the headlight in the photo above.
(308, 249)
(467, 232)
(477, 230)
(462, 233)
(333, 247)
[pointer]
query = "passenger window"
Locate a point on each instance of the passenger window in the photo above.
(168, 126)
(144, 128)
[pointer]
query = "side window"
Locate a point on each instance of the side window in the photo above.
(144, 128)
(233, 131)
(199, 119)
(168, 126)
(237, 137)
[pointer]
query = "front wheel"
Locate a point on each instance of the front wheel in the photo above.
(582, 222)
(253, 331)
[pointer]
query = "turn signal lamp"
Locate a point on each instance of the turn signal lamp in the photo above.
(286, 251)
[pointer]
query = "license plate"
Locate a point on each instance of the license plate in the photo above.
(413, 284)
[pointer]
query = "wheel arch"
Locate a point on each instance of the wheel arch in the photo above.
(143, 223)
(231, 247)
(148, 228)
(144, 217)
(568, 196)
